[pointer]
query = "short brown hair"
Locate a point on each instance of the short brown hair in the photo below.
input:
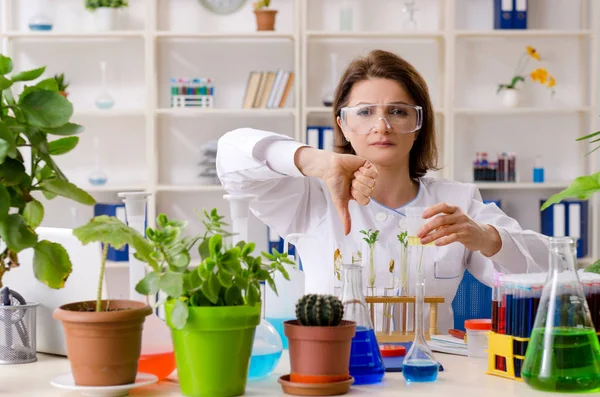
(379, 64)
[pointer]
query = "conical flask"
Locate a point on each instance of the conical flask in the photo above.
(420, 365)
(563, 354)
(366, 363)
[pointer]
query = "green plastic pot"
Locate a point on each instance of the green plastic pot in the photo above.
(213, 349)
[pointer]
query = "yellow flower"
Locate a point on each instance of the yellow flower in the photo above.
(540, 74)
(551, 82)
(533, 53)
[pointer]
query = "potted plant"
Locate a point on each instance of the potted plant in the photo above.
(105, 12)
(319, 340)
(212, 308)
(104, 337)
(265, 18)
(62, 84)
(29, 122)
(511, 95)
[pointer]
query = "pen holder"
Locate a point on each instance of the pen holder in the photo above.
(17, 333)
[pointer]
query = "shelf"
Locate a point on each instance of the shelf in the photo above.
(226, 35)
(524, 110)
(586, 261)
(373, 35)
(191, 188)
(124, 34)
(110, 188)
(227, 112)
(108, 113)
(117, 265)
(521, 185)
(522, 33)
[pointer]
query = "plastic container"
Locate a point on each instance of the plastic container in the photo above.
(477, 337)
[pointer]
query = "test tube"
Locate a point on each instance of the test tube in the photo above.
(495, 304)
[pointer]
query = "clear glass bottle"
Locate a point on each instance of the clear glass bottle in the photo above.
(420, 365)
(104, 100)
(97, 177)
(366, 363)
(563, 354)
(329, 91)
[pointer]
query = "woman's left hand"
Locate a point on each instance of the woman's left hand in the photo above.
(453, 225)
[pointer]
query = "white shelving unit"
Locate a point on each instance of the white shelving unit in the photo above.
(455, 48)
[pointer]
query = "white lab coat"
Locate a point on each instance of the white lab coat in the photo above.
(251, 161)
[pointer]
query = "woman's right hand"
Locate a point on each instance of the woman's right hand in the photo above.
(348, 177)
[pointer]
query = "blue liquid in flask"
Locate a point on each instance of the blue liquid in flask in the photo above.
(366, 363)
(261, 365)
(420, 371)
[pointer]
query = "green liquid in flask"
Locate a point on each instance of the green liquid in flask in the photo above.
(574, 364)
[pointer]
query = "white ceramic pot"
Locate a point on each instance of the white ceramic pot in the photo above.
(510, 97)
(105, 18)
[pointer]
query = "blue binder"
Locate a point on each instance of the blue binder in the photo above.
(117, 210)
(519, 15)
(503, 14)
(565, 219)
(320, 136)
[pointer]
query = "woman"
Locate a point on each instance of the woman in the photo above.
(384, 130)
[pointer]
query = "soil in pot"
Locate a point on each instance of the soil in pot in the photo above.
(103, 347)
(319, 354)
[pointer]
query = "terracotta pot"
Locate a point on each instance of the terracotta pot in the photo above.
(265, 19)
(103, 347)
(319, 354)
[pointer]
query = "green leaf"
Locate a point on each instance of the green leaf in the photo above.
(241, 282)
(63, 145)
(253, 295)
(4, 83)
(46, 109)
(212, 288)
(48, 195)
(233, 296)
(34, 213)
(581, 188)
(28, 75)
(272, 284)
(181, 260)
(149, 285)
(6, 65)
(16, 233)
(8, 144)
(68, 190)
(11, 172)
(192, 281)
(593, 268)
(248, 249)
(48, 84)
(162, 220)
(203, 249)
(65, 130)
(593, 134)
(283, 271)
(225, 278)
(172, 284)
(180, 314)
(215, 243)
(111, 230)
(4, 201)
(51, 264)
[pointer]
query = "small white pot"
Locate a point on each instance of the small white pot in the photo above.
(510, 97)
(105, 19)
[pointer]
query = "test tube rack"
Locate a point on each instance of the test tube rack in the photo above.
(399, 305)
(502, 348)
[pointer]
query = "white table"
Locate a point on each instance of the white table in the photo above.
(462, 377)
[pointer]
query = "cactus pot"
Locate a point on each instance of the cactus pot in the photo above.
(319, 354)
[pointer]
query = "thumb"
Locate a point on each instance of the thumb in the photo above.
(341, 206)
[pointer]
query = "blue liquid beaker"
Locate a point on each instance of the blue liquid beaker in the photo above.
(366, 363)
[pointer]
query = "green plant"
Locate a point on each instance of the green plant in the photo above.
(111, 231)
(261, 4)
(60, 81)
(371, 239)
(403, 239)
(540, 75)
(319, 310)
(27, 122)
(226, 275)
(582, 188)
(92, 5)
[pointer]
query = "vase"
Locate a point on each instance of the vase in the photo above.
(511, 97)
(105, 19)
(265, 19)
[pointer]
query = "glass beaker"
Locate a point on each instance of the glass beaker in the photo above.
(266, 348)
(414, 222)
(420, 365)
(563, 354)
(366, 363)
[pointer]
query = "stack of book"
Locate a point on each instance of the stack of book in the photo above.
(208, 165)
(268, 89)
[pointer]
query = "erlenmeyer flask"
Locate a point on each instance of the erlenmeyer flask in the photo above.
(563, 354)
(420, 365)
(366, 363)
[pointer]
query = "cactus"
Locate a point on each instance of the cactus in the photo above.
(319, 310)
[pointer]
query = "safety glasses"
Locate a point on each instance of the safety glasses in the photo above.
(398, 118)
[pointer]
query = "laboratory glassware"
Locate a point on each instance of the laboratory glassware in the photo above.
(97, 177)
(104, 100)
(563, 354)
(366, 362)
